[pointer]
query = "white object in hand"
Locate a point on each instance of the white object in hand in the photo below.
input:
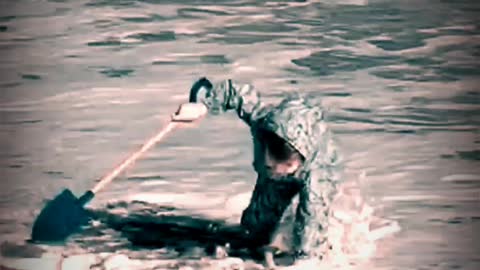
(189, 112)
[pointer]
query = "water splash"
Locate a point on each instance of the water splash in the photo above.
(354, 229)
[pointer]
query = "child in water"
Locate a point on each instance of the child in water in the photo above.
(293, 156)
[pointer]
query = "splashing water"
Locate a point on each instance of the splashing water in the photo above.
(354, 229)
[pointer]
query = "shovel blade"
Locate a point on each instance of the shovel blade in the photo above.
(61, 217)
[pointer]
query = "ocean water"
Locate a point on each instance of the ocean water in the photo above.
(85, 83)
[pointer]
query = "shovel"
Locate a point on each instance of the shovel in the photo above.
(65, 214)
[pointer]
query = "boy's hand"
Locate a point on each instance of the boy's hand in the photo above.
(189, 112)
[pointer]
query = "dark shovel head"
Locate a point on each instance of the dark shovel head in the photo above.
(61, 217)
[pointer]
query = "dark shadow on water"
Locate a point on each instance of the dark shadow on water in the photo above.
(104, 43)
(117, 73)
(149, 19)
(473, 155)
(149, 227)
(199, 12)
(107, 3)
(163, 226)
(31, 77)
(154, 37)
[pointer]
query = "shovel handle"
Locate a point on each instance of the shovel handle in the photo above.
(201, 83)
(134, 156)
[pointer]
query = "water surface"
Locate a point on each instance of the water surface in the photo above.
(84, 83)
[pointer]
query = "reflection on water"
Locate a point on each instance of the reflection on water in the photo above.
(84, 83)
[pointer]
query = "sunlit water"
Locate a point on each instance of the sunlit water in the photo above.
(85, 83)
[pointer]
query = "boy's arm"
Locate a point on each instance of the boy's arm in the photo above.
(311, 221)
(316, 196)
(228, 95)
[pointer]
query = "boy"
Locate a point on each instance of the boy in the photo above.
(293, 155)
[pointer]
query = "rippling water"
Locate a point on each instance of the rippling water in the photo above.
(84, 83)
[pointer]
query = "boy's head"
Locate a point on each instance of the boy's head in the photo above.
(299, 121)
(281, 158)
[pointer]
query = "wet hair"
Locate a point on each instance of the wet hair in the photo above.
(280, 149)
